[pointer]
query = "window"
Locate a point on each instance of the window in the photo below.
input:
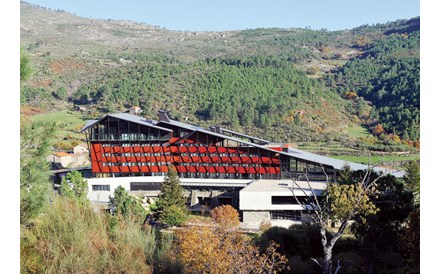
(100, 187)
(285, 215)
(145, 186)
(287, 200)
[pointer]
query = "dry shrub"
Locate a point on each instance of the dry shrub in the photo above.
(225, 216)
(74, 239)
(206, 249)
(265, 225)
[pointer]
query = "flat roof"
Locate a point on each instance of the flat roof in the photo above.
(283, 185)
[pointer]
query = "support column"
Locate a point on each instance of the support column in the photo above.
(194, 199)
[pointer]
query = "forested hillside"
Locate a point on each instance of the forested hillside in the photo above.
(387, 74)
(287, 85)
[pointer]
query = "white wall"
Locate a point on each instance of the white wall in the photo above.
(102, 196)
(262, 200)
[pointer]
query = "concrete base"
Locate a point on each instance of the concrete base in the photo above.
(253, 218)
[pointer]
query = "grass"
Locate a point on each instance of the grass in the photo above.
(69, 123)
(378, 159)
(358, 131)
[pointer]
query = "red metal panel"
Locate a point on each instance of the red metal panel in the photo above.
(235, 159)
(205, 159)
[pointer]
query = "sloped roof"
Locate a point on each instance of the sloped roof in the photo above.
(62, 154)
(303, 155)
(127, 117)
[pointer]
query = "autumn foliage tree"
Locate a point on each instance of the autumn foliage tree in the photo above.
(225, 216)
(221, 248)
(343, 202)
(378, 129)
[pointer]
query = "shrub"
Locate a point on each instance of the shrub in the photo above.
(70, 238)
(299, 240)
(174, 216)
(225, 216)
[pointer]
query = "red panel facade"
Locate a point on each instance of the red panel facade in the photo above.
(187, 159)
(141, 151)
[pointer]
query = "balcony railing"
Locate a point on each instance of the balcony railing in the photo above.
(129, 137)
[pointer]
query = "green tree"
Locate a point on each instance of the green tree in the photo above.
(35, 185)
(61, 93)
(171, 191)
(410, 240)
(127, 206)
(74, 186)
(171, 202)
(412, 180)
(380, 233)
(342, 204)
(174, 215)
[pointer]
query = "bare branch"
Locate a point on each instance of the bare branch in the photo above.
(338, 267)
(316, 261)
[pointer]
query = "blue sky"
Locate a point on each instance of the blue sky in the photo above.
(206, 15)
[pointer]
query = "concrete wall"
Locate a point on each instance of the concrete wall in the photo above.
(102, 196)
(250, 200)
(72, 161)
(255, 217)
(80, 149)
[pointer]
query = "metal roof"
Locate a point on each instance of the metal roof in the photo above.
(299, 154)
(127, 117)
(339, 164)
(267, 185)
(89, 123)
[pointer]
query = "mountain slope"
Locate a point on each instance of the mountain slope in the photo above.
(287, 85)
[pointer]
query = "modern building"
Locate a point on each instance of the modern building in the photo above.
(216, 165)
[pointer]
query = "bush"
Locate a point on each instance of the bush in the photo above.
(174, 216)
(302, 240)
(225, 215)
(70, 238)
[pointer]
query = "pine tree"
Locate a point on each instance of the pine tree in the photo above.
(172, 192)
(35, 185)
(171, 203)
(127, 206)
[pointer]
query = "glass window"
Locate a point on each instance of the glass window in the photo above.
(100, 187)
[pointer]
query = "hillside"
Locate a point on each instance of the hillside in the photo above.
(287, 85)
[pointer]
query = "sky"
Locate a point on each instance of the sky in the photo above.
(206, 15)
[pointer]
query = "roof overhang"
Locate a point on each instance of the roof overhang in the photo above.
(125, 117)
